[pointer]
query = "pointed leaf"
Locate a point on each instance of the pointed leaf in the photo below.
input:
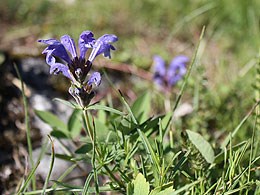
(74, 123)
(67, 103)
(141, 107)
(51, 119)
(59, 134)
(202, 145)
(84, 149)
(106, 108)
(103, 132)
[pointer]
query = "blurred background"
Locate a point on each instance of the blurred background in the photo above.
(226, 67)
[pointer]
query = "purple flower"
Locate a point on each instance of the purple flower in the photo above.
(75, 66)
(167, 77)
(95, 79)
(159, 70)
(102, 45)
(177, 69)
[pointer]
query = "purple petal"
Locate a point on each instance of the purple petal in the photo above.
(173, 80)
(69, 44)
(56, 48)
(50, 60)
(180, 60)
(86, 40)
(102, 46)
(95, 78)
(49, 41)
(177, 69)
(158, 80)
(159, 66)
(57, 68)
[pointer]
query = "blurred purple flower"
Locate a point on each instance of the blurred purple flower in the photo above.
(168, 77)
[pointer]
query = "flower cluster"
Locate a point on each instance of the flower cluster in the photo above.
(76, 67)
(168, 77)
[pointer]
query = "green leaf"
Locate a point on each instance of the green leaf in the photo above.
(106, 108)
(101, 114)
(141, 107)
(74, 123)
(141, 186)
(202, 145)
(167, 191)
(66, 185)
(59, 134)
(64, 157)
(103, 133)
(84, 149)
(185, 188)
(51, 119)
(51, 166)
(67, 103)
(26, 182)
(129, 189)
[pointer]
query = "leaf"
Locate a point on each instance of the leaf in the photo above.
(59, 134)
(67, 103)
(202, 145)
(51, 166)
(64, 157)
(141, 186)
(103, 132)
(185, 188)
(51, 119)
(167, 191)
(84, 149)
(106, 108)
(141, 107)
(101, 114)
(72, 187)
(74, 123)
(26, 182)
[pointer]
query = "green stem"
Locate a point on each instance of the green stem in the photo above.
(89, 129)
(92, 136)
(94, 160)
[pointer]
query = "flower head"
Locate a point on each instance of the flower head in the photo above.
(159, 70)
(76, 66)
(167, 77)
(65, 49)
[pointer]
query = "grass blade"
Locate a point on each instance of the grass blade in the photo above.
(192, 63)
(30, 176)
(51, 166)
(226, 141)
(186, 187)
(143, 137)
(68, 171)
(27, 126)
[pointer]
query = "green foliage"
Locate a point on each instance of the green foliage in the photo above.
(202, 145)
(51, 119)
(141, 187)
(141, 107)
(136, 149)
